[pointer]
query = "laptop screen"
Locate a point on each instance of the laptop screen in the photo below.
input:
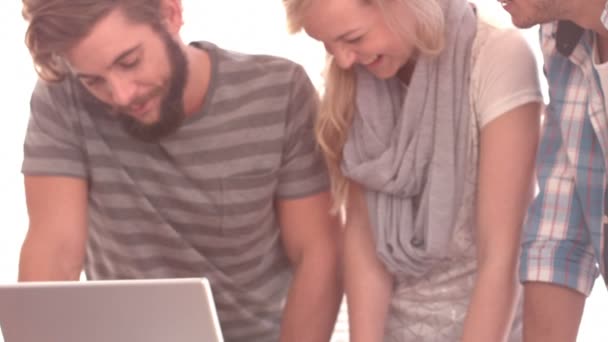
(158, 310)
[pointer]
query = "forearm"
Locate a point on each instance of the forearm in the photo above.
(507, 152)
(44, 261)
(493, 303)
(368, 297)
(368, 287)
(552, 313)
(313, 300)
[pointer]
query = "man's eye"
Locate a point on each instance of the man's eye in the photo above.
(93, 82)
(129, 63)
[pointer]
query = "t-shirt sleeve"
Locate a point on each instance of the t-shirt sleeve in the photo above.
(505, 75)
(52, 145)
(303, 171)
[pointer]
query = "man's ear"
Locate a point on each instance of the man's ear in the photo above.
(171, 11)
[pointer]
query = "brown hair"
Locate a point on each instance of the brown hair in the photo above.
(55, 26)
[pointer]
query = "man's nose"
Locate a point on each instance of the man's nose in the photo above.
(123, 91)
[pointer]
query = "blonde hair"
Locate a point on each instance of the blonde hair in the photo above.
(337, 105)
(55, 26)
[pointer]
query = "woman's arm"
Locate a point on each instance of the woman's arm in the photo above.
(505, 186)
(368, 285)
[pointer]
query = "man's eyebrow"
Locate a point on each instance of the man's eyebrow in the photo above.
(114, 62)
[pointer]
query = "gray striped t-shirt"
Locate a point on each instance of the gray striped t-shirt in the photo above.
(200, 202)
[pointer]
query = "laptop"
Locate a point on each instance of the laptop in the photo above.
(154, 310)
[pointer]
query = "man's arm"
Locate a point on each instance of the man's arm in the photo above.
(564, 305)
(55, 243)
(558, 264)
(312, 240)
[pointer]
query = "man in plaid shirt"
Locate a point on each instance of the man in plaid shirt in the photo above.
(565, 237)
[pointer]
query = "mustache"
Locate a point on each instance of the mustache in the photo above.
(139, 100)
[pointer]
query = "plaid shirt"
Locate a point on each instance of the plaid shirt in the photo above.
(564, 234)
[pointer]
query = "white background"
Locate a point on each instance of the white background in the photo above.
(248, 26)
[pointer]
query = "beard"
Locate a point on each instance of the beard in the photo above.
(541, 12)
(171, 115)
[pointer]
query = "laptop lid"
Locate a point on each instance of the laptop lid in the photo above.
(154, 310)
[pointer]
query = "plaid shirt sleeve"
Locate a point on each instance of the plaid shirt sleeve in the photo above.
(556, 244)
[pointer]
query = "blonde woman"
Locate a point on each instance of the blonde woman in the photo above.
(429, 125)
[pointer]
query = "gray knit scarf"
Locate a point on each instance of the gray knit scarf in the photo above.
(410, 155)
